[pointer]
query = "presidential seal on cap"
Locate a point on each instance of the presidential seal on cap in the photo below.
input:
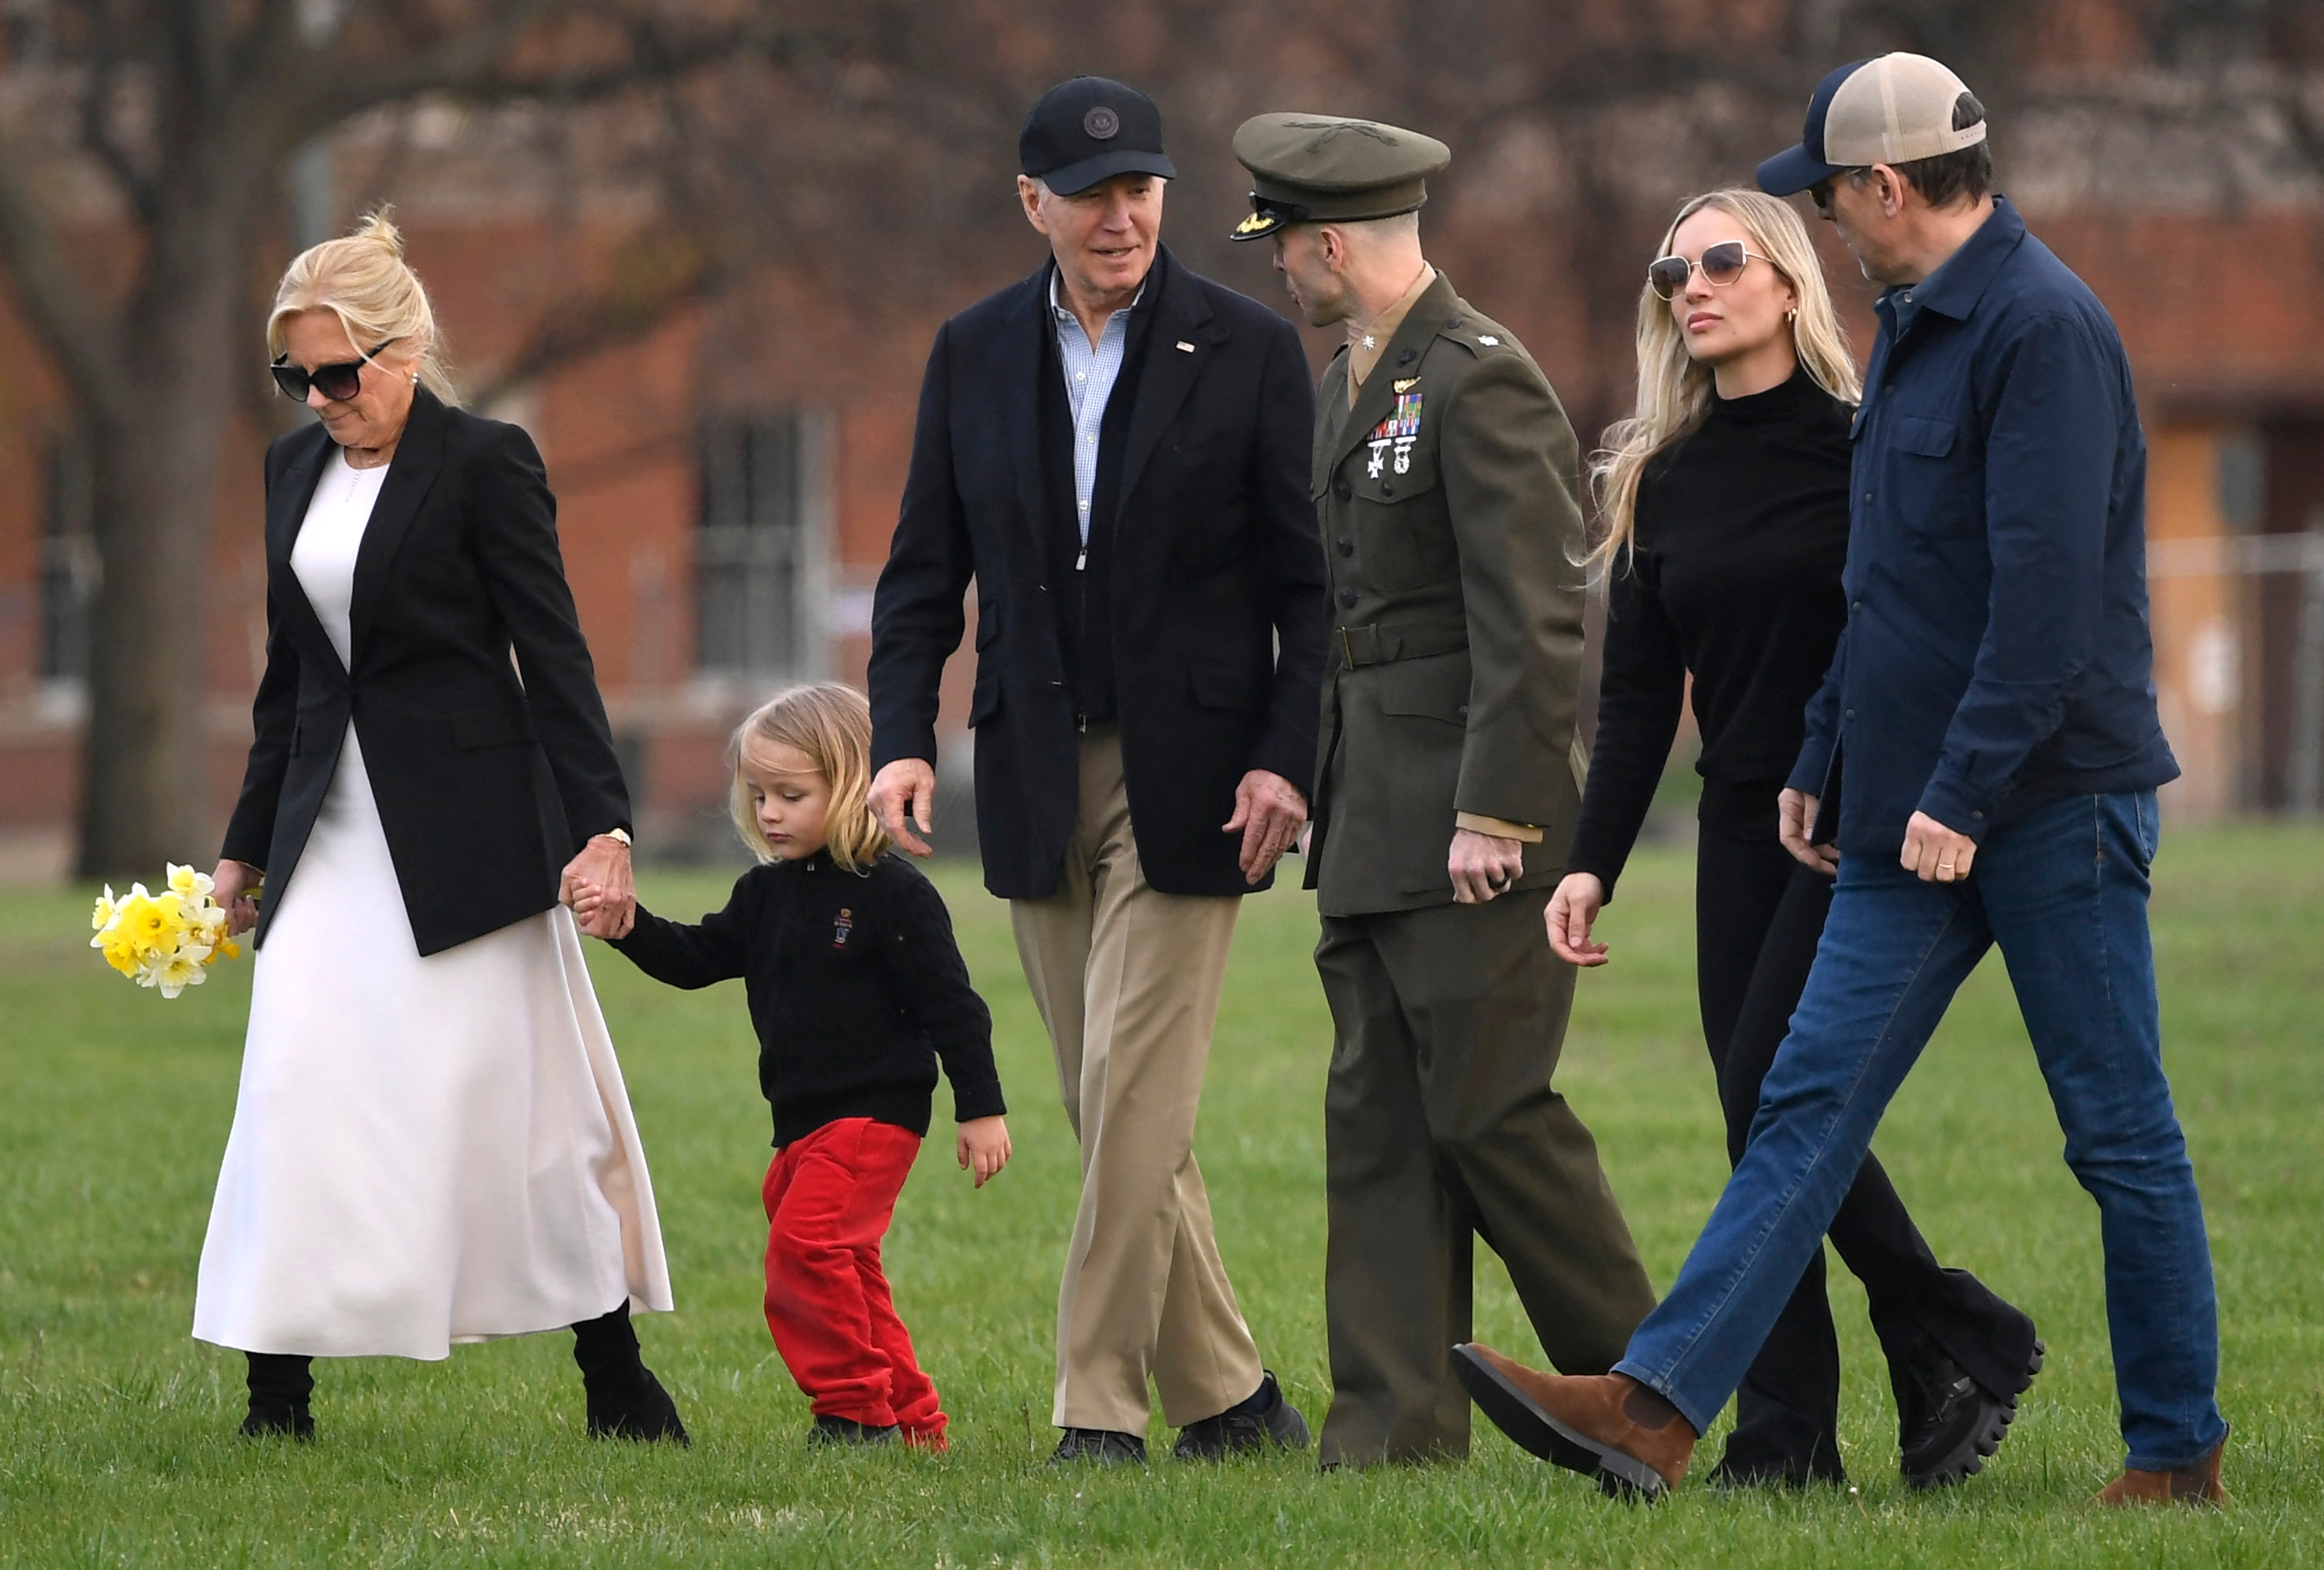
(1899, 108)
(1322, 168)
(1089, 130)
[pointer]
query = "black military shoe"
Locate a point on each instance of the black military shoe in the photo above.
(1947, 1423)
(1263, 1421)
(831, 1432)
(1781, 1450)
(1099, 1448)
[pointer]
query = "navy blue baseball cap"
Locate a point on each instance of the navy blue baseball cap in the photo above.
(1899, 108)
(1089, 130)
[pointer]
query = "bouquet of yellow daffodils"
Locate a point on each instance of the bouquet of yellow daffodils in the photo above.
(167, 940)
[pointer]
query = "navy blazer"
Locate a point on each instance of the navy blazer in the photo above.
(1217, 611)
(1997, 654)
(486, 786)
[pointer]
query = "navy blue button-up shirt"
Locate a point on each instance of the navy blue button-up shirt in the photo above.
(1997, 654)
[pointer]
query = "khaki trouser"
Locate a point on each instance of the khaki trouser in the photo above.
(1440, 1125)
(1128, 982)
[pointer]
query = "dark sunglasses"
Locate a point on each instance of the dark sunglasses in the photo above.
(1820, 193)
(337, 383)
(1722, 265)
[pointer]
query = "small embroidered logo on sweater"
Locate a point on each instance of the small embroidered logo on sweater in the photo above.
(841, 927)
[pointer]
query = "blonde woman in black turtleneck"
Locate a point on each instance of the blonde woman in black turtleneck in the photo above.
(1726, 498)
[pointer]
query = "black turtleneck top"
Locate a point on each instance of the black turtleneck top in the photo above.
(1734, 579)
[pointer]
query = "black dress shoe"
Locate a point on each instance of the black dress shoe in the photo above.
(1262, 1421)
(1947, 1423)
(832, 1432)
(1099, 1448)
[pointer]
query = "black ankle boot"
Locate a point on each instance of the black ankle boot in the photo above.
(280, 1384)
(625, 1400)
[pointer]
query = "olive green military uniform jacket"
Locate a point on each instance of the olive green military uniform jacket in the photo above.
(1449, 499)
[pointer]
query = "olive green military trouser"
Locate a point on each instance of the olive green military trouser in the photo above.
(1440, 1122)
(1128, 982)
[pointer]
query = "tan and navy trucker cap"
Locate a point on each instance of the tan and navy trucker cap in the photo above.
(1899, 108)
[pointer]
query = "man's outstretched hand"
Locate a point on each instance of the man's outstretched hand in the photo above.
(906, 786)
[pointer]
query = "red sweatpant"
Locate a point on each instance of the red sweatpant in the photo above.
(830, 1195)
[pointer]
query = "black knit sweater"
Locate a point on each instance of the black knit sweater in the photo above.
(855, 986)
(1742, 531)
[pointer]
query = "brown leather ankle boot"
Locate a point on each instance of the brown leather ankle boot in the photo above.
(2196, 1484)
(1577, 1422)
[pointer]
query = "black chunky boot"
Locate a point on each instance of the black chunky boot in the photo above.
(280, 1384)
(625, 1400)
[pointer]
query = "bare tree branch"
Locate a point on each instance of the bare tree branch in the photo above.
(98, 90)
(50, 288)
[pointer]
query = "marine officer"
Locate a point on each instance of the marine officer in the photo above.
(1448, 777)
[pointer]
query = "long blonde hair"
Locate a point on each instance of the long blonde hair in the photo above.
(362, 278)
(831, 723)
(1674, 388)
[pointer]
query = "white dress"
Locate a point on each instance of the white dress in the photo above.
(425, 1150)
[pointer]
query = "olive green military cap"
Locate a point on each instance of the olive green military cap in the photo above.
(1322, 168)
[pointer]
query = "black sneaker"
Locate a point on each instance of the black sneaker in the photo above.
(830, 1432)
(1264, 1421)
(1099, 1448)
(1947, 1423)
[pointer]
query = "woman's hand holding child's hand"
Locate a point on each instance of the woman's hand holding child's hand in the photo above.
(595, 915)
(983, 1147)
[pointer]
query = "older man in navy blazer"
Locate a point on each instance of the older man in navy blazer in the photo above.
(1115, 450)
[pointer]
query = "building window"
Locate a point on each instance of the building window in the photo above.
(68, 564)
(761, 550)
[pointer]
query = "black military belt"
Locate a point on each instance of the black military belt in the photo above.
(1387, 640)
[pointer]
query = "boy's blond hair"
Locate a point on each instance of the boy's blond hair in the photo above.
(831, 723)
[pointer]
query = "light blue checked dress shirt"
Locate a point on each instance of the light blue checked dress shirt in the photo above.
(1090, 375)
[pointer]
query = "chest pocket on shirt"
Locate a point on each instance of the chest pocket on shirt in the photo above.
(1925, 485)
(1921, 435)
(1404, 540)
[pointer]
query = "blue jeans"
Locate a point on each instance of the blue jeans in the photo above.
(2063, 893)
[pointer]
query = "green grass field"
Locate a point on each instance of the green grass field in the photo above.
(114, 1426)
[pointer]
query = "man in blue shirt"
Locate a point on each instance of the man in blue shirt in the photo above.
(1989, 738)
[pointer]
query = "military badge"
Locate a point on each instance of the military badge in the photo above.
(1393, 437)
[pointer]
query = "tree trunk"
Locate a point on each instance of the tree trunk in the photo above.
(145, 797)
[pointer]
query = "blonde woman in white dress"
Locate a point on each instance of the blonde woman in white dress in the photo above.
(432, 1143)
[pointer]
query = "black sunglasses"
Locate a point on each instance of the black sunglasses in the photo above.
(1722, 265)
(1820, 193)
(339, 383)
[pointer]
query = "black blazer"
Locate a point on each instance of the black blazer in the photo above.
(486, 787)
(1217, 602)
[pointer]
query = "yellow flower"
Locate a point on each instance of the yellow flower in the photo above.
(230, 948)
(101, 917)
(120, 952)
(174, 973)
(152, 922)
